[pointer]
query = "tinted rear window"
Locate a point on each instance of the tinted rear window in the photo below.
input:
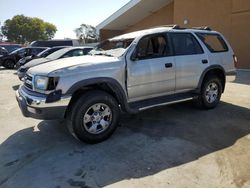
(213, 42)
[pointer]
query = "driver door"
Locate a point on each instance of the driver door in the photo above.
(151, 69)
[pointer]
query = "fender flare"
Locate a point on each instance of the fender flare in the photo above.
(212, 67)
(114, 85)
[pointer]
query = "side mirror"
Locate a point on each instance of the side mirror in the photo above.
(133, 56)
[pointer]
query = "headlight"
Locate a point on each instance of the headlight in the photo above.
(21, 61)
(41, 82)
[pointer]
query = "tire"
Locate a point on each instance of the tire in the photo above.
(9, 64)
(18, 65)
(210, 94)
(94, 117)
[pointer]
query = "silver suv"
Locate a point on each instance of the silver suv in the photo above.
(129, 73)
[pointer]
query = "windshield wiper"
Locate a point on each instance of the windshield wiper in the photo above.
(106, 54)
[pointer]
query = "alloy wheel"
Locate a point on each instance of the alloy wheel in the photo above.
(97, 118)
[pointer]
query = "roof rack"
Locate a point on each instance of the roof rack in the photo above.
(174, 26)
(202, 28)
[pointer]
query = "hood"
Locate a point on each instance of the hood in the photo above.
(36, 62)
(79, 62)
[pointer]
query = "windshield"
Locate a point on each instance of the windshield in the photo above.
(57, 54)
(112, 48)
(44, 53)
(18, 50)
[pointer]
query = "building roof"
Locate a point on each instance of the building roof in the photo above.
(161, 29)
(132, 13)
(136, 34)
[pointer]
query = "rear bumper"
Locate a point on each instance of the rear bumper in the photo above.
(35, 106)
(231, 76)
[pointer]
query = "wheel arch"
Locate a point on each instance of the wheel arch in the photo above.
(108, 85)
(213, 70)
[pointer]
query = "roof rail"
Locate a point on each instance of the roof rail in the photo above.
(174, 26)
(202, 28)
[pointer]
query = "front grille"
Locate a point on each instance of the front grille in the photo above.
(28, 81)
(22, 69)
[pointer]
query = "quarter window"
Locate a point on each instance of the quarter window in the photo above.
(213, 42)
(152, 47)
(185, 44)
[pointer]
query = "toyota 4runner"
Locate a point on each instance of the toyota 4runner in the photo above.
(129, 73)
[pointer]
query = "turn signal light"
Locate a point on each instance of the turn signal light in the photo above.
(235, 61)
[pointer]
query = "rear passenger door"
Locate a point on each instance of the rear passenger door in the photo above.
(190, 60)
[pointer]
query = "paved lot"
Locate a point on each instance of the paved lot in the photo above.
(173, 146)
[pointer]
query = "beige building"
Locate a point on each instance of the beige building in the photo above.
(230, 17)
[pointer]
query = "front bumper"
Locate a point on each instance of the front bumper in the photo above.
(34, 105)
(231, 76)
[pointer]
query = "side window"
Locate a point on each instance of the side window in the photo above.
(155, 46)
(213, 42)
(87, 50)
(77, 52)
(35, 51)
(73, 53)
(185, 44)
(22, 52)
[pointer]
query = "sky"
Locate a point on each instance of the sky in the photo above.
(65, 14)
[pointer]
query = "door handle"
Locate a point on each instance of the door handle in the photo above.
(204, 61)
(168, 65)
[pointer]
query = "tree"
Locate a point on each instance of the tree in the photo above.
(22, 29)
(87, 33)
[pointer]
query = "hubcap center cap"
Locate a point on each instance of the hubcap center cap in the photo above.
(97, 117)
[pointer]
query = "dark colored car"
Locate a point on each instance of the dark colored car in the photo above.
(9, 61)
(42, 54)
(63, 53)
(3, 51)
(11, 47)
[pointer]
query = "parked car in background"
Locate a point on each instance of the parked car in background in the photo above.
(53, 43)
(42, 54)
(11, 47)
(129, 73)
(62, 53)
(3, 51)
(9, 61)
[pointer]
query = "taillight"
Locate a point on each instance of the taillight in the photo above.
(235, 61)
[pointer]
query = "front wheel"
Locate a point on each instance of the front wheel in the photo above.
(95, 116)
(210, 93)
(9, 64)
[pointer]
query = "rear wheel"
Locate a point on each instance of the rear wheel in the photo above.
(94, 117)
(210, 93)
(9, 64)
